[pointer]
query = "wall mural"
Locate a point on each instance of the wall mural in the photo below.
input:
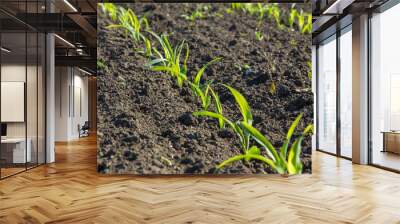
(204, 88)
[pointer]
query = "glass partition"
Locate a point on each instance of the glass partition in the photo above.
(14, 153)
(385, 89)
(327, 96)
(41, 97)
(346, 93)
(22, 77)
(31, 99)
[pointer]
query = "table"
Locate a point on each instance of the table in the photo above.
(13, 150)
(391, 141)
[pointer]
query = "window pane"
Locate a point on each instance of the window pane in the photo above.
(15, 150)
(346, 94)
(385, 114)
(327, 96)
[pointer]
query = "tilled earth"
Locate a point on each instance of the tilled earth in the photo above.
(145, 122)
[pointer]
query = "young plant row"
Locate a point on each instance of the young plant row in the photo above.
(172, 60)
(294, 19)
(129, 22)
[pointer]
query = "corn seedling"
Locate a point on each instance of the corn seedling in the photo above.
(292, 17)
(202, 90)
(238, 6)
(276, 14)
(100, 64)
(250, 8)
(130, 23)
(261, 9)
(285, 162)
(170, 61)
(197, 14)
(109, 9)
(229, 11)
(300, 20)
(247, 117)
(308, 27)
(259, 35)
(249, 153)
(253, 9)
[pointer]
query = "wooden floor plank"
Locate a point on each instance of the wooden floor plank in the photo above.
(71, 191)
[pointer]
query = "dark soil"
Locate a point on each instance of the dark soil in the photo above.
(145, 122)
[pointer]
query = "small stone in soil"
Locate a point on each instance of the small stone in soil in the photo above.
(130, 155)
(187, 160)
(120, 166)
(248, 72)
(131, 139)
(232, 28)
(283, 91)
(232, 43)
(187, 119)
(225, 133)
(195, 168)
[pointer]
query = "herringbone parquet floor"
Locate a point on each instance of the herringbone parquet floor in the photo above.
(70, 191)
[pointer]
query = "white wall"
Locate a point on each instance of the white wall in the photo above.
(70, 83)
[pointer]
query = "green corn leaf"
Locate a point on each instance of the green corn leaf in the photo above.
(185, 60)
(308, 129)
(216, 116)
(231, 160)
(145, 22)
(168, 48)
(207, 97)
(155, 61)
(169, 54)
(279, 169)
(100, 64)
(148, 47)
(154, 35)
(294, 164)
(293, 126)
(112, 26)
(300, 21)
(233, 126)
(133, 20)
(196, 89)
(292, 16)
(181, 77)
(218, 107)
(271, 151)
(283, 150)
(159, 55)
(254, 150)
(161, 68)
(178, 51)
(243, 105)
(202, 69)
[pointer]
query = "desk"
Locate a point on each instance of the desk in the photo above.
(15, 148)
(391, 141)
